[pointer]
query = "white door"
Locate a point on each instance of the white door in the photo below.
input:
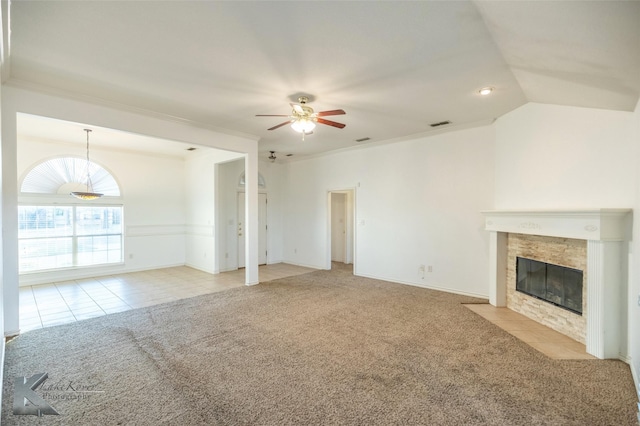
(262, 230)
(338, 227)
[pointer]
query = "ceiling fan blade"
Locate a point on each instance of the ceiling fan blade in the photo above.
(331, 123)
(280, 125)
(297, 108)
(332, 112)
(271, 115)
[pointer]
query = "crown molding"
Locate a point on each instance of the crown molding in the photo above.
(54, 91)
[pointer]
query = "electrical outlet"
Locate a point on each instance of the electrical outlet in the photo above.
(430, 269)
(639, 300)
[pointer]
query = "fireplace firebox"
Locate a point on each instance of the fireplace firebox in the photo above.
(555, 284)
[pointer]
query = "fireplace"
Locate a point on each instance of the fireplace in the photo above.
(555, 284)
(535, 304)
(593, 241)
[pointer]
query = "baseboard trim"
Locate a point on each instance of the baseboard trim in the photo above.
(200, 269)
(430, 287)
(11, 333)
(636, 382)
(304, 265)
(2, 348)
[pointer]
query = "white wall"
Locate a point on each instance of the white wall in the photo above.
(273, 174)
(3, 32)
(417, 202)
(634, 282)
(200, 180)
(560, 157)
(152, 189)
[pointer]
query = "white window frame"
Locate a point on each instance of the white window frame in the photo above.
(75, 236)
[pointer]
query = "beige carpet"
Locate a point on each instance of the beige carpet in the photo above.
(321, 348)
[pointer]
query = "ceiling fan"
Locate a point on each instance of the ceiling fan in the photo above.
(303, 119)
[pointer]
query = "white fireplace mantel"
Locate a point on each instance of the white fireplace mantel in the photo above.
(598, 225)
(605, 230)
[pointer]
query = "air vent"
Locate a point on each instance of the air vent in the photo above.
(191, 149)
(363, 139)
(442, 123)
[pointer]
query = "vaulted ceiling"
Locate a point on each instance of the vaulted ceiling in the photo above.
(394, 67)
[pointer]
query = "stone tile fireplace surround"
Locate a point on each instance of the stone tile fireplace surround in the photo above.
(589, 240)
(567, 252)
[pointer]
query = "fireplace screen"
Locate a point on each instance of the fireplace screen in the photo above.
(552, 283)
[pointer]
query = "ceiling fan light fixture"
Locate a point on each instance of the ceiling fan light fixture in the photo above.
(303, 125)
(303, 119)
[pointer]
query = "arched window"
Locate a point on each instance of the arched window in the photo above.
(261, 181)
(66, 174)
(66, 233)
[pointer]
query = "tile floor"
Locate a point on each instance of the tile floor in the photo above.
(63, 302)
(551, 343)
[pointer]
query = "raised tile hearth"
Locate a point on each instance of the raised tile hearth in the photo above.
(551, 343)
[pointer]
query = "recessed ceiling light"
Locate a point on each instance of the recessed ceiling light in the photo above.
(485, 91)
(363, 139)
(289, 155)
(191, 149)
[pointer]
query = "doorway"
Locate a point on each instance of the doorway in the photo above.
(341, 229)
(262, 229)
(338, 227)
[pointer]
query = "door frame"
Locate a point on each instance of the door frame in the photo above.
(351, 238)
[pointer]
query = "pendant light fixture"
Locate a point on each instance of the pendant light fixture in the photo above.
(89, 195)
